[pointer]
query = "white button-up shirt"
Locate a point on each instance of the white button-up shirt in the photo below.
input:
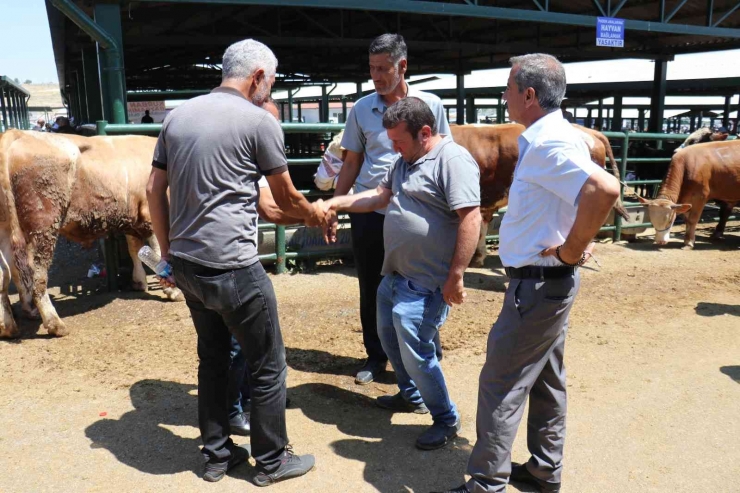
(554, 163)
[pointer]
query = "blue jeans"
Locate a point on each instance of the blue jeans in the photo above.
(409, 318)
(238, 380)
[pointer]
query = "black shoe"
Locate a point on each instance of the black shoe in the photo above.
(240, 424)
(370, 371)
(398, 404)
(215, 471)
(437, 436)
(521, 474)
(291, 466)
(459, 489)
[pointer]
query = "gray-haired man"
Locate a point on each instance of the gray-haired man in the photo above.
(210, 155)
(557, 202)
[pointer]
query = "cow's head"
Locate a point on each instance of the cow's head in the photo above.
(662, 215)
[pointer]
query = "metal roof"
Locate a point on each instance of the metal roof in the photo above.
(177, 44)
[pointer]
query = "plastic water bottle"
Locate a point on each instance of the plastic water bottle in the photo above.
(160, 267)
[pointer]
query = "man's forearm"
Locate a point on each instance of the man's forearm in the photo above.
(347, 177)
(596, 201)
(159, 209)
(468, 233)
(367, 201)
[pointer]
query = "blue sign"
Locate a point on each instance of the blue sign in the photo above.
(610, 32)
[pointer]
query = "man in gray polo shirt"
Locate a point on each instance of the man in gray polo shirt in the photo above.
(210, 155)
(430, 233)
(370, 154)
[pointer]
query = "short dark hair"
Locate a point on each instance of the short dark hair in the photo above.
(415, 112)
(393, 44)
(722, 130)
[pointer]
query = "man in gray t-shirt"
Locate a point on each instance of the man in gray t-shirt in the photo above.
(432, 195)
(211, 152)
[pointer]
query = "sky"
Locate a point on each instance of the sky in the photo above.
(26, 54)
(25, 42)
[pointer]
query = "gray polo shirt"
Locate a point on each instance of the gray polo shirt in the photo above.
(215, 148)
(421, 224)
(364, 133)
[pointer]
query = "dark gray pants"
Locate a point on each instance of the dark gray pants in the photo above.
(524, 359)
(239, 302)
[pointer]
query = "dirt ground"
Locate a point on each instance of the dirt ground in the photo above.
(653, 357)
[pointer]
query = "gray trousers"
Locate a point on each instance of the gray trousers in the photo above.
(524, 359)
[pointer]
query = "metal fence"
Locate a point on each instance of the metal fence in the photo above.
(281, 255)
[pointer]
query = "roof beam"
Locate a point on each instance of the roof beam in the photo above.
(722, 19)
(618, 8)
(675, 10)
(482, 12)
(601, 9)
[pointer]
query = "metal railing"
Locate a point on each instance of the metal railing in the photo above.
(281, 255)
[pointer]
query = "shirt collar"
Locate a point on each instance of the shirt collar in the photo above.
(530, 133)
(434, 153)
(379, 104)
(229, 90)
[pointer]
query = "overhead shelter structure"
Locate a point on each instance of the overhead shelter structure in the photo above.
(13, 105)
(104, 48)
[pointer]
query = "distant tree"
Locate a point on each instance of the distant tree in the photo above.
(17, 81)
(28, 81)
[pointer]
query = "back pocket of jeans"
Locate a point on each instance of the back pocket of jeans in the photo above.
(219, 293)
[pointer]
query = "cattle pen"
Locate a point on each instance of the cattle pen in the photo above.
(281, 255)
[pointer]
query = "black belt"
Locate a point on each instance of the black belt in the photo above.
(536, 272)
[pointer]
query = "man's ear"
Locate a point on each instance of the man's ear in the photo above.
(402, 66)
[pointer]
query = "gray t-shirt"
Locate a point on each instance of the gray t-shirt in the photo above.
(364, 133)
(421, 224)
(215, 148)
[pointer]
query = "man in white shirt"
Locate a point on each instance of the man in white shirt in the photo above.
(557, 202)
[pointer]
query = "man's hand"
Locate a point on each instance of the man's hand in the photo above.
(330, 232)
(318, 217)
(568, 256)
(453, 291)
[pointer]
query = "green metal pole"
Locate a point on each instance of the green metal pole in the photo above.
(100, 127)
(280, 249)
(290, 105)
(500, 118)
(92, 83)
(623, 173)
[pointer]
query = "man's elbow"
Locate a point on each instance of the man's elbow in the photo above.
(606, 186)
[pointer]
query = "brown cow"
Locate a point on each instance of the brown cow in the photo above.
(696, 175)
(79, 187)
(496, 150)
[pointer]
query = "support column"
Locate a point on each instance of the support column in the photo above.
(500, 116)
(589, 122)
(16, 110)
(737, 117)
(617, 117)
(641, 120)
(91, 79)
(447, 111)
(3, 110)
(692, 126)
(324, 106)
(344, 109)
(726, 110)
(300, 113)
(471, 114)
(657, 103)
(290, 105)
(600, 119)
(108, 17)
(24, 111)
(460, 107)
(358, 91)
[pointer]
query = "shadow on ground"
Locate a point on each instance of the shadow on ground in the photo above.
(139, 438)
(392, 462)
(317, 361)
(716, 309)
(731, 371)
